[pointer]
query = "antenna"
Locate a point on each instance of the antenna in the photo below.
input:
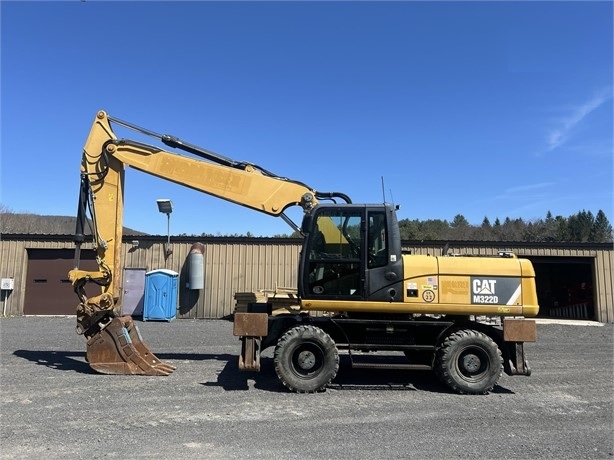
(384, 193)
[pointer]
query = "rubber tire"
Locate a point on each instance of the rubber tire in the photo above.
(469, 362)
(306, 359)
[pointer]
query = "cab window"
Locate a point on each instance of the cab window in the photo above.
(335, 254)
(377, 248)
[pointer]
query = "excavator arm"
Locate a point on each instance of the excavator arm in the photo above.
(114, 343)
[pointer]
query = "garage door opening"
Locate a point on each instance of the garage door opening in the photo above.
(565, 287)
(48, 289)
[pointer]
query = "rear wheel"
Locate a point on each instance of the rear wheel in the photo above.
(469, 362)
(306, 359)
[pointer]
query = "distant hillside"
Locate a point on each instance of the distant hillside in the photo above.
(35, 224)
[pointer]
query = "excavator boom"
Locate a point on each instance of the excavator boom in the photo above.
(114, 343)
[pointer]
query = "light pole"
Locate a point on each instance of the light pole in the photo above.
(165, 206)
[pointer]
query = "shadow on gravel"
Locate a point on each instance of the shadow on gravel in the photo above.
(231, 379)
(349, 378)
(76, 361)
(393, 380)
(60, 360)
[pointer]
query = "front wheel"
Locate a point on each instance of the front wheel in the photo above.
(469, 362)
(306, 359)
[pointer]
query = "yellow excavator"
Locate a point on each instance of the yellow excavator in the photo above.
(373, 298)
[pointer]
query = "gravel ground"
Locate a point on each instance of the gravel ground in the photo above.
(54, 406)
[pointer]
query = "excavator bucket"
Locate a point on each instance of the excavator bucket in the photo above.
(119, 349)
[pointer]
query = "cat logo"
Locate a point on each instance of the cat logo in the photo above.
(498, 290)
(486, 287)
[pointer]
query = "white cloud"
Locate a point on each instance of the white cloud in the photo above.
(560, 135)
(530, 187)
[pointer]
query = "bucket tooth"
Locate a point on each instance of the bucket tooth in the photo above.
(119, 349)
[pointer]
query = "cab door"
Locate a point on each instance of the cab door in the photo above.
(333, 255)
(384, 265)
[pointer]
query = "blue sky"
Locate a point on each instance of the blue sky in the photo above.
(497, 109)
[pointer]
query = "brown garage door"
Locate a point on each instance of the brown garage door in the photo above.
(48, 290)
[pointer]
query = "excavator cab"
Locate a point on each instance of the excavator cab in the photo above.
(350, 253)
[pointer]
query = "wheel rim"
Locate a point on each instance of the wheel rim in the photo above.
(473, 364)
(307, 359)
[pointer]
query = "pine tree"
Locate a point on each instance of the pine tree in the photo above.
(461, 230)
(580, 225)
(601, 231)
(549, 228)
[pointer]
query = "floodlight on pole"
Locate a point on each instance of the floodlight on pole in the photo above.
(165, 206)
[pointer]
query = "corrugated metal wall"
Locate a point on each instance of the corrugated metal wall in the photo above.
(249, 264)
(14, 264)
(604, 274)
(231, 265)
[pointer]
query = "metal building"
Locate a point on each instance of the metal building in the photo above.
(573, 280)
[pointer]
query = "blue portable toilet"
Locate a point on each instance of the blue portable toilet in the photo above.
(161, 287)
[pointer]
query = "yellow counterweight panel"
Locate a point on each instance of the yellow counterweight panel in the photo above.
(493, 266)
(470, 285)
(529, 290)
(491, 286)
